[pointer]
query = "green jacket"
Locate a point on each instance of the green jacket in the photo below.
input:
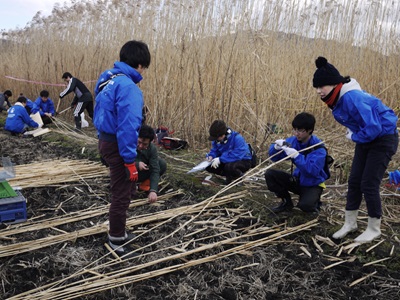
(149, 157)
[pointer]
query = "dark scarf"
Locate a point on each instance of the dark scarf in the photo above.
(332, 98)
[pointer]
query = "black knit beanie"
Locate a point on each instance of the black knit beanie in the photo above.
(326, 74)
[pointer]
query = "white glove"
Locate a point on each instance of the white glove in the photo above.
(290, 151)
(215, 162)
(40, 126)
(278, 144)
(349, 134)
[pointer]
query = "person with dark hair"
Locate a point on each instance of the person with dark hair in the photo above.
(4, 100)
(18, 119)
(150, 167)
(308, 178)
(117, 118)
(230, 155)
(31, 107)
(83, 98)
(46, 107)
(371, 125)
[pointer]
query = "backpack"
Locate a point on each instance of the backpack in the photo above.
(328, 159)
(253, 156)
(171, 143)
(162, 132)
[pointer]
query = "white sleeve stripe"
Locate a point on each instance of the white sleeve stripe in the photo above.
(66, 90)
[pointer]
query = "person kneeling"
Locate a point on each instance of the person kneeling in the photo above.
(230, 154)
(150, 167)
(308, 177)
(18, 120)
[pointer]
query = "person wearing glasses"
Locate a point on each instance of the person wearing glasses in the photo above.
(371, 125)
(308, 177)
(230, 155)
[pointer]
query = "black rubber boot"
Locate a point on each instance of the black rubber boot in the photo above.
(285, 205)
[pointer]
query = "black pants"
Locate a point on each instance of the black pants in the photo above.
(46, 120)
(231, 170)
(369, 165)
(79, 109)
(281, 183)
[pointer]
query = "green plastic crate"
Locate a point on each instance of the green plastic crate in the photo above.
(6, 191)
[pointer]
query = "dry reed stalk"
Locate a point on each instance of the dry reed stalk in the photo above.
(302, 248)
(334, 264)
(53, 172)
(183, 88)
(374, 246)
(7, 250)
(246, 266)
(72, 217)
(376, 261)
(122, 277)
(362, 279)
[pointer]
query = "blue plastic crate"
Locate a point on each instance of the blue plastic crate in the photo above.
(13, 209)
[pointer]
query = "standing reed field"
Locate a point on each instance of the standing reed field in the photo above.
(248, 62)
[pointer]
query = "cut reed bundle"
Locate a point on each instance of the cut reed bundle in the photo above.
(56, 172)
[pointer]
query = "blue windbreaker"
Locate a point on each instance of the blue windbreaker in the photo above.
(118, 109)
(17, 118)
(45, 107)
(309, 168)
(364, 114)
(31, 107)
(234, 149)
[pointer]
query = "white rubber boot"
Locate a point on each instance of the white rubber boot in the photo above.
(372, 232)
(350, 224)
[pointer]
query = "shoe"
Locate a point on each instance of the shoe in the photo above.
(129, 237)
(285, 205)
(144, 185)
(121, 246)
(208, 181)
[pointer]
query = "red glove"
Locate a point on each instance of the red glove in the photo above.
(131, 172)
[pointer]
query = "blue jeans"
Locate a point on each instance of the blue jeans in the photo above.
(369, 165)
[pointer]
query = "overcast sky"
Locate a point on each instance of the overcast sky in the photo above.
(17, 13)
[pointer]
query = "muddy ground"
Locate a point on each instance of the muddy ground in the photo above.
(295, 266)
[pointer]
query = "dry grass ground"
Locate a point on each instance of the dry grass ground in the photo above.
(248, 64)
(197, 242)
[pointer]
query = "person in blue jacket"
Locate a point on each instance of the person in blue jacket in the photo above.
(31, 107)
(230, 154)
(371, 125)
(308, 178)
(18, 119)
(118, 118)
(45, 106)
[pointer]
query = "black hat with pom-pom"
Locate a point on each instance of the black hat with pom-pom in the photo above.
(326, 74)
